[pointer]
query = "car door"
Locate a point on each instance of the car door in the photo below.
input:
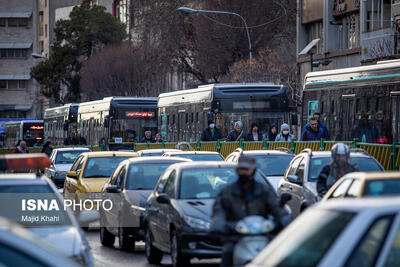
(68, 188)
(50, 171)
(109, 215)
(286, 186)
(298, 191)
(166, 209)
(75, 182)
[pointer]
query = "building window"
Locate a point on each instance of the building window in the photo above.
(378, 14)
(41, 47)
(45, 3)
(23, 22)
(13, 53)
(12, 84)
(13, 23)
(3, 22)
(3, 84)
(45, 30)
(315, 30)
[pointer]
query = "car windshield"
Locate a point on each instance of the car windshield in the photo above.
(32, 205)
(273, 165)
(207, 182)
(102, 167)
(152, 154)
(201, 157)
(363, 164)
(306, 239)
(67, 157)
(383, 187)
(145, 176)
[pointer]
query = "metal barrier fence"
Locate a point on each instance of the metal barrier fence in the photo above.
(387, 155)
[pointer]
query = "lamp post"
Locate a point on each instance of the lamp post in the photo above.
(189, 11)
(39, 56)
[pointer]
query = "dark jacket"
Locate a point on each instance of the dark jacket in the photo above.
(79, 141)
(330, 174)
(250, 137)
(47, 151)
(231, 206)
(208, 136)
(68, 141)
(145, 140)
(310, 135)
(322, 126)
(20, 150)
(371, 133)
(233, 136)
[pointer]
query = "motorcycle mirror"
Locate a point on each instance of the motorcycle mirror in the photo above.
(285, 198)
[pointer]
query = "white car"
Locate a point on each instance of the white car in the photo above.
(346, 232)
(61, 160)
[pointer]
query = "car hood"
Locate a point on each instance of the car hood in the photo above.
(138, 197)
(199, 208)
(274, 180)
(63, 167)
(66, 239)
(93, 184)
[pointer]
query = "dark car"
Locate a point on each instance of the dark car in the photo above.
(130, 185)
(178, 212)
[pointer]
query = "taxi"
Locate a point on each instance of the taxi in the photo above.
(90, 172)
(196, 155)
(365, 184)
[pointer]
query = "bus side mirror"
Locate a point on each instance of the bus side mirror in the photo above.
(65, 126)
(107, 122)
(294, 119)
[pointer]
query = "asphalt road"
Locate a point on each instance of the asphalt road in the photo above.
(105, 256)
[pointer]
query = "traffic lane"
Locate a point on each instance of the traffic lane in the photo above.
(106, 256)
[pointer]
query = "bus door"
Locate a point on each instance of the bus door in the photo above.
(347, 116)
(395, 104)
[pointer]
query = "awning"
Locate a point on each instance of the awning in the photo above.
(15, 45)
(15, 77)
(23, 15)
(15, 107)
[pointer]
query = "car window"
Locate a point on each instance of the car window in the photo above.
(367, 251)
(145, 176)
(76, 163)
(393, 258)
(170, 185)
(67, 157)
(115, 174)
(382, 187)
(229, 159)
(354, 189)
(294, 165)
(121, 177)
(273, 165)
(11, 257)
(163, 179)
(341, 190)
(79, 167)
(201, 157)
(300, 170)
(101, 166)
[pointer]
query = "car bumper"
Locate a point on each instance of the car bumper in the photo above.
(201, 245)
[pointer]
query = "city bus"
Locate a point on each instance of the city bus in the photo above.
(184, 114)
(32, 131)
(343, 96)
(117, 122)
(60, 122)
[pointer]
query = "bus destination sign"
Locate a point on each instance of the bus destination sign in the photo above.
(139, 114)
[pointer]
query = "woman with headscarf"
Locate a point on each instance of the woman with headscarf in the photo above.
(254, 135)
(272, 133)
(284, 135)
(47, 148)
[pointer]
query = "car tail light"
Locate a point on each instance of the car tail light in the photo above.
(24, 162)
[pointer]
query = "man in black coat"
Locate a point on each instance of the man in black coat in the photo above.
(237, 133)
(211, 133)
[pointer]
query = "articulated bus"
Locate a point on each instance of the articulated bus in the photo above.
(60, 122)
(184, 114)
(342, 96)
(32, 131)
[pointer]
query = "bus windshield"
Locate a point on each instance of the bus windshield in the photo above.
(33, 133)
(131, 125)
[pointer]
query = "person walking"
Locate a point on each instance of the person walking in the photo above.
(313, 132)
(47, 148)
(22, 148)
(237, 133)
(254, 135)
(321, 125)
(366, 131)
(211, 133)
(79, 140)
(284, 135)
(272, 133)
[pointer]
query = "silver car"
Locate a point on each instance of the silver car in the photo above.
(61, 160)
(300, 179)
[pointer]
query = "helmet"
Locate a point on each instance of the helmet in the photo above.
(340, 149)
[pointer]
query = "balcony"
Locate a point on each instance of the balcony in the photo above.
(378, 44)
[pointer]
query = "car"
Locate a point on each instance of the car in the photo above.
(89, 173)
(196, 155)
(300, 179)
(155, 152)
(178, 211)
(61, 162)
(364, 184)
(20, 247)
(129, 187)
(273, 163)
(21, 195)
(340, 232)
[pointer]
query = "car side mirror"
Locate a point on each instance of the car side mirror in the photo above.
(163, 199)
(72, 174)
(113, 189)
(285, 198)
(295, 179)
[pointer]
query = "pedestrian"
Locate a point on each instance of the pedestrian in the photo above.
(148, 138)
(313, 132)
(339, 167)
(272, 133)
(366, 131)
(254, 135)
(211, 133)
(22, 148)
(284, 135)
(69, 140)
(79, 140)
(321, 125)
(158, 138)
(245, 197)
(47, 148)
(237, 133)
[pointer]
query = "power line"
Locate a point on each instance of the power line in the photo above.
(241, 27)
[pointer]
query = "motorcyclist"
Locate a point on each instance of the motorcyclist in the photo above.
(243, 198)
(339, 167)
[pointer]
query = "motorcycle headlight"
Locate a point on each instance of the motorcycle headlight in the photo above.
(196, 223)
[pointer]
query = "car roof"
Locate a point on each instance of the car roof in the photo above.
(203, 165)
(193, 153)
(328, 154)
(157, 160)
(375, 175)
(72, 148)
(100, 154)
(158, 150)
(361, 204)
(266, 152)
(22, 178)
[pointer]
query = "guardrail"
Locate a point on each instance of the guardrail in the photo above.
(387, 155)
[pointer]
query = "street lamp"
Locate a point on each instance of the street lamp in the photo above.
(189, 11)
(39, 56)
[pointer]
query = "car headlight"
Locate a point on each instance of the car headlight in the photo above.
(196, 223)
(57, 174)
